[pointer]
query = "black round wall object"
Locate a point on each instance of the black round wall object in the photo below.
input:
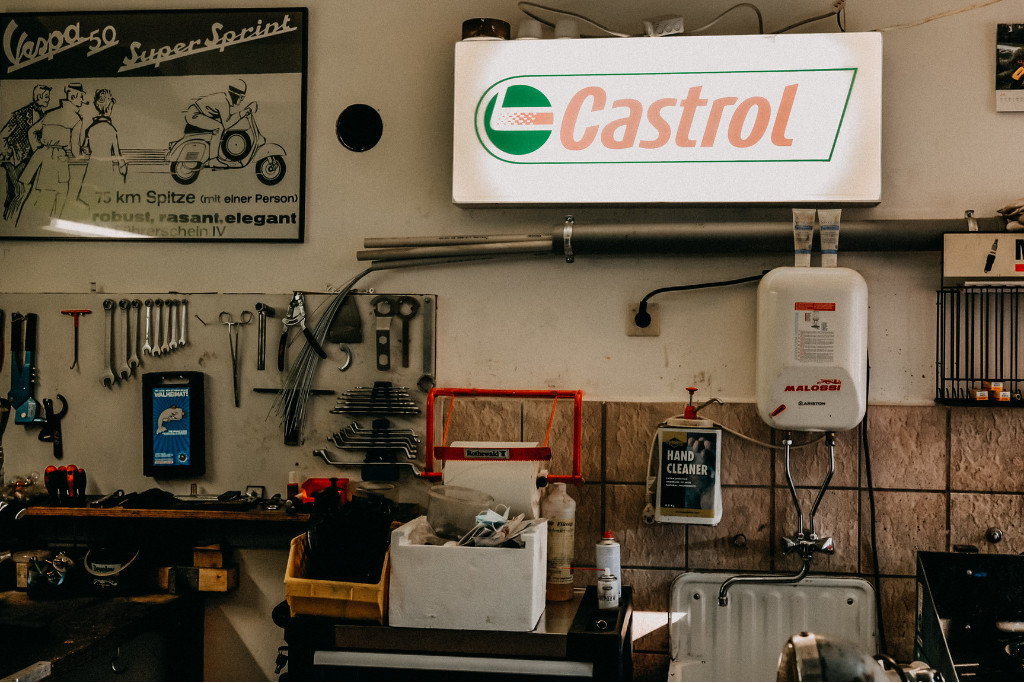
(359, 127)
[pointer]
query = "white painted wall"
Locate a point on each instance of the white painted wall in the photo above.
(529, 323)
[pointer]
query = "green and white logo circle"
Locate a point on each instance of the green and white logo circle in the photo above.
(518, 120)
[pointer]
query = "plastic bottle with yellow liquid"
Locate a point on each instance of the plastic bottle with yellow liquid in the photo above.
(560, 511)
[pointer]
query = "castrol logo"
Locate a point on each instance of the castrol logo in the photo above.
(657, 118)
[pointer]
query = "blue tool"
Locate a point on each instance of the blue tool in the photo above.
(23, 349)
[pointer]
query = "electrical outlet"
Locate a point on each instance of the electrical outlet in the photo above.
(669, 25)
(652, 330)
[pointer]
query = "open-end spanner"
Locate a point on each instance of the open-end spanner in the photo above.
(158, 325)
(147, 349)
(183, 330)
(406, 308)
(165, 324)
(172, 314)
(133, 331)
(108, 378)
(383, 309)
(124, 371)
(426, 380)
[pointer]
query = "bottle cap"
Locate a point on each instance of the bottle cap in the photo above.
(609, 534)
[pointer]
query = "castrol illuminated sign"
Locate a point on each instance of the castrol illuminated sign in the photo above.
(769, 119)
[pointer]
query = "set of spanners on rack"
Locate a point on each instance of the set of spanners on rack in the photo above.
(381, 399)
(381, 437)
(166, 330)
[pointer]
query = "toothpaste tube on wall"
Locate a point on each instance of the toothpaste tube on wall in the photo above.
(829, 219)
(803, 235)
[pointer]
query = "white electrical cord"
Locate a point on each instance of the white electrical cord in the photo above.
(940, 15)
(760, 19)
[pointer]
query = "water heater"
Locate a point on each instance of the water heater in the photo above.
(812, 340)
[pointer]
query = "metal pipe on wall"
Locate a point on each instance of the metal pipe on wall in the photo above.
(700, 238)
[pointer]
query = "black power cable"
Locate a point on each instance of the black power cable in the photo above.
(866, 452)
(643, 318)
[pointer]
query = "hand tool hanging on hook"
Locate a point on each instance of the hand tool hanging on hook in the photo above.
(133, 334)
(23, 349)
(263, 312)
(406, 308)
(124, 371)
(158, 326)
(51, 431)
(75, 313)
(147, 348)
(109, 377)
(297, 316)
(226, 319)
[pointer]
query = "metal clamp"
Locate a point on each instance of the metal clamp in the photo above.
(567, 239)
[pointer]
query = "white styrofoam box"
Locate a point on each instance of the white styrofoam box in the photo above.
(742, 641)
(499, 589)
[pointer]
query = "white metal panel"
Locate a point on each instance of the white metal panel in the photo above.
(743, 640)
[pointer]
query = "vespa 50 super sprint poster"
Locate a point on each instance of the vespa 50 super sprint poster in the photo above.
(159, 125)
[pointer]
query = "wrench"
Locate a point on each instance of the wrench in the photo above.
(108, 378)
(124, 371)
(183, 340)
(172, 313)
(133, 332)
(426, 381)
(165, 324)
(147, 349)
(158, 336)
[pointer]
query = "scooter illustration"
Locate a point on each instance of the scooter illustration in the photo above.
(242, 144)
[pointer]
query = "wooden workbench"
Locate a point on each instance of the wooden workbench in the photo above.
(80, 636)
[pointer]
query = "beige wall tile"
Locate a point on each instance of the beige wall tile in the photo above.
(588, 528)
(986, 445)
(745, 511)
(908, 447)
(649, 666)
(650, 607)
(810, 465)
(479, 419)
(642, 545)
(971, 514)
(629, 429)
(905, 522)
(899, 610)
(537, 414)
(836, 517)
(743, 463)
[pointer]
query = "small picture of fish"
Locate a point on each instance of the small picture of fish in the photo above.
(169, 415)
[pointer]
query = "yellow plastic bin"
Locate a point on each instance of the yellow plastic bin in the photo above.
(339, 599)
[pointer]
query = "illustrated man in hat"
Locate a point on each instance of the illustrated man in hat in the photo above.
(15, 149)
(54, 139)
(213, 113)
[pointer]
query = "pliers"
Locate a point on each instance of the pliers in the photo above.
(297, 316)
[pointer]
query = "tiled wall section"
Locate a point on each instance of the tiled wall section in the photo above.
(942, 476)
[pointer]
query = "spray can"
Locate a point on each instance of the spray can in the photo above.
(560, 511)
(606, 555)
(607, 591)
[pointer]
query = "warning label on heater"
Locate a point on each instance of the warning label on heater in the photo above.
(815, 332)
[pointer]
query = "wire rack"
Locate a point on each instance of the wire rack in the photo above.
(978, 340)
